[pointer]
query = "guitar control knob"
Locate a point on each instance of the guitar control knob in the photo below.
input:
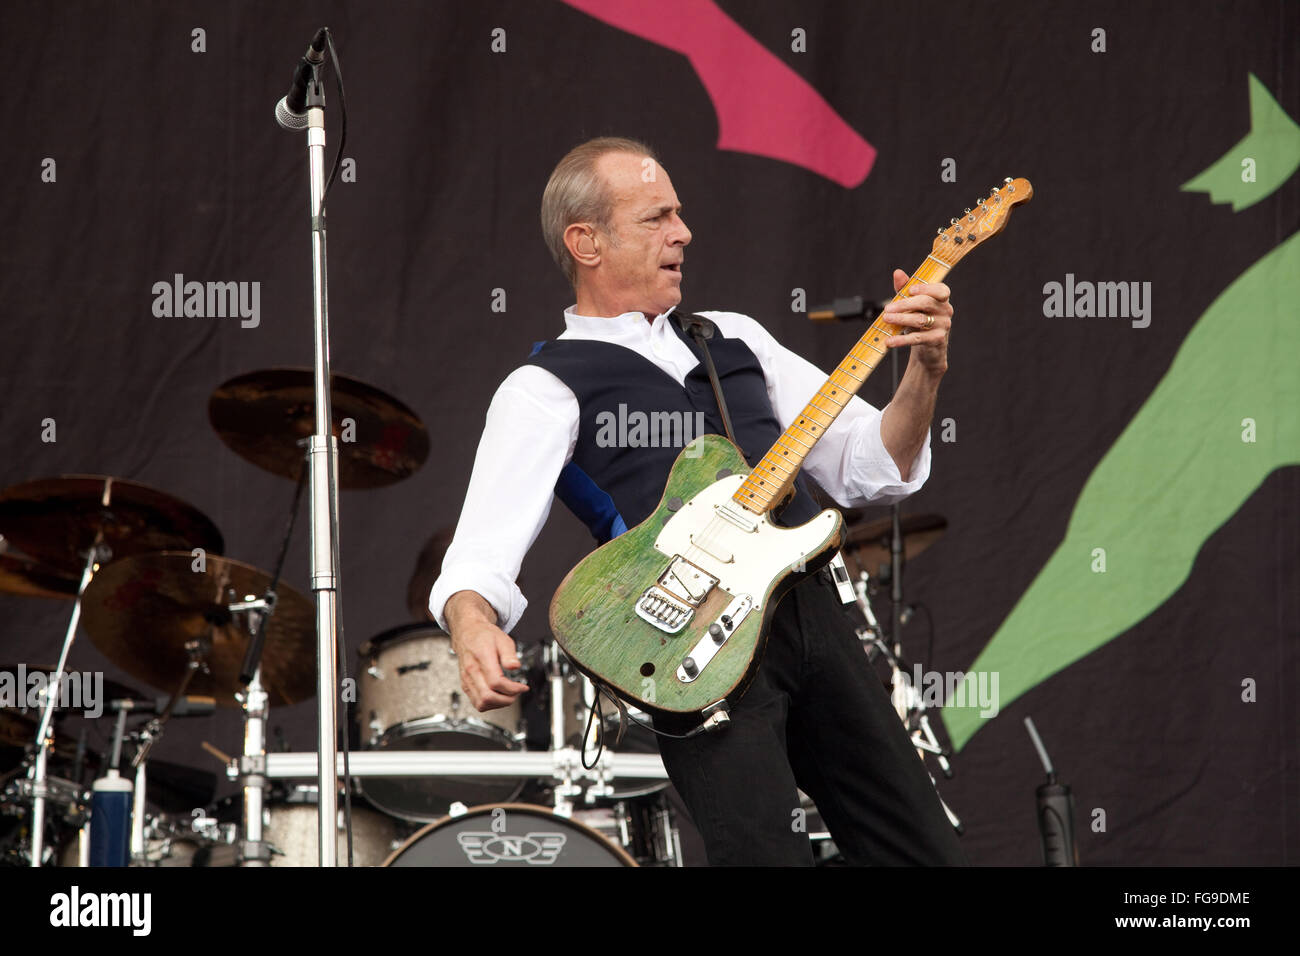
(688, 665)
(717, 634)
(726, 621)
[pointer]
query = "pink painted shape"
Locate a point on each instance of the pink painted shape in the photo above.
(763, 106)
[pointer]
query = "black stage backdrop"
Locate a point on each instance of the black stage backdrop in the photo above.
(1125, 483)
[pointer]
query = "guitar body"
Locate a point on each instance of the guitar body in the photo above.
(633, 612)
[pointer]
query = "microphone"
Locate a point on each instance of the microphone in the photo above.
(1055, 811)
(846, 310)
(291, 111)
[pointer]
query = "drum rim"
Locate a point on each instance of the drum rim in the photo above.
(451, 725)
(536, 809)
(397, 635)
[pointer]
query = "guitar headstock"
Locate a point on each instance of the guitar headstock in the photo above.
(986, 220)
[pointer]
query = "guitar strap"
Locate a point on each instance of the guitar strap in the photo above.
(701, 329)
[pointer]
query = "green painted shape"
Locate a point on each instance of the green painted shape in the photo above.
(593, 618)
(1273, 143)
(1178, 471)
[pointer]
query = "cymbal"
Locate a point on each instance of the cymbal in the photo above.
(867, 543)
(54, 521)
(141, 610)
(263, 416)
(22, 576)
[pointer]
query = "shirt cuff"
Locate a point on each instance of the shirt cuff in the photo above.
(500, 592)
(873, 473)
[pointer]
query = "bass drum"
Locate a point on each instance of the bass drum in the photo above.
(409, 698)
(508, 835)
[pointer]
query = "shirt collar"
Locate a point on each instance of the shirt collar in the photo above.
(627, 322)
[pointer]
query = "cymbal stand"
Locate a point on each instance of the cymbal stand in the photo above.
(95, 555)
(908, 701)
(557, 674)
(253, 850)
(150, 734)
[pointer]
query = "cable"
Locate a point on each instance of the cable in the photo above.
(603, 689)
(343, 107)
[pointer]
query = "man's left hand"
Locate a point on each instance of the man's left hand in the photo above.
(925, 318)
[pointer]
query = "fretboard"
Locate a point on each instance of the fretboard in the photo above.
(772, 479)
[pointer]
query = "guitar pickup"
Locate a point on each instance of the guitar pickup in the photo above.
(686, 582)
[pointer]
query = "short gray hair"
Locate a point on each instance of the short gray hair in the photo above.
(577, 193)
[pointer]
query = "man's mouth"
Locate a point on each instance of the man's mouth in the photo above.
(673, 267)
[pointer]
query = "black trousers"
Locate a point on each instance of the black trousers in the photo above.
(818, 718)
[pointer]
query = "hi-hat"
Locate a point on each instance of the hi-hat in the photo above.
(264, 415)
(141, 611)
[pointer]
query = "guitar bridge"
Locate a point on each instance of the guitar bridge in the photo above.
(670, 602)
(663, 610)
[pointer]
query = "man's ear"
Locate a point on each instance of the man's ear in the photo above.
(580, 240)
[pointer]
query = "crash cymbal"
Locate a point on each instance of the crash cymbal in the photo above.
(140, 611)
(54, 521)
(19, 575)
(867, 543)
(264, 415)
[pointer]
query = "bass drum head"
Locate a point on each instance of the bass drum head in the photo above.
(508, 835)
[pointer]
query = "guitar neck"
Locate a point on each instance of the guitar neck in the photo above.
(772, 480)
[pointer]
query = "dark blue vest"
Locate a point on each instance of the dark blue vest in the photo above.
(613, 486)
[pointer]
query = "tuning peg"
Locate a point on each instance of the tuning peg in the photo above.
(968, 210)
(941, 230)
(1007, 180)
(952, 221)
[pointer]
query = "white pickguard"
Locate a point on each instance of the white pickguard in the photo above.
(743, 561)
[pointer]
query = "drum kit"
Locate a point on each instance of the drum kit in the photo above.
(434, 781)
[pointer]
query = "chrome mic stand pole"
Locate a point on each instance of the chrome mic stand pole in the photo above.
(322, 460)
(323, 457)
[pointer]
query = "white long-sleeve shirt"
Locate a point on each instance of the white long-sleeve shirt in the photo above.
(532, 429)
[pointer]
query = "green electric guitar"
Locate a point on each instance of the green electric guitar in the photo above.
(673, 614)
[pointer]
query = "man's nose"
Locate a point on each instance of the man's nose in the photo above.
(682, 234)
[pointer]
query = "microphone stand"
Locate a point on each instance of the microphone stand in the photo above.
(322, 458)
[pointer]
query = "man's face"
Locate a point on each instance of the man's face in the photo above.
(641, 260)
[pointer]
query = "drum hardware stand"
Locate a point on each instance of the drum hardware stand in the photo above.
(255, 702)
(907, 700)
(567, 768)
(253, 851)
(323, 456)
(97, 554)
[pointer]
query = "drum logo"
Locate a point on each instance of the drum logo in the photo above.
(536, 849)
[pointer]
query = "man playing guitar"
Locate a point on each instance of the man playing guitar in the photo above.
(815, 716)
